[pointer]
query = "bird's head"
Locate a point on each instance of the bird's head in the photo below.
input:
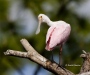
(41, 18)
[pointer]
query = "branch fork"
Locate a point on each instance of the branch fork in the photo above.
(33, 55)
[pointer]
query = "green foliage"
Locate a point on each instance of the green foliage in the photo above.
(3, 9)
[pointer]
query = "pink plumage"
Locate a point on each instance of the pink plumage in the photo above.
(57, 34)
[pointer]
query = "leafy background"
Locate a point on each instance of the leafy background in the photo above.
(18, 19)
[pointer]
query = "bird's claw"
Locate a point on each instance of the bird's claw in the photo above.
(62, 68)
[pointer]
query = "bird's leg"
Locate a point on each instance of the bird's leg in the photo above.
(52, 56)
(60, 56)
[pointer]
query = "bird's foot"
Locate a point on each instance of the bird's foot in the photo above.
(53, 61)
(62, 67)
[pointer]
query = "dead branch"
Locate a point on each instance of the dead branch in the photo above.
(33, 55)
(86, 62)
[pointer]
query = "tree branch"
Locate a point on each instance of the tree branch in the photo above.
(86, 62)
(16, 53)
(85, 73)
(33, 55)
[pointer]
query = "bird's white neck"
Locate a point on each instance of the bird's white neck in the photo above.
(49, 22)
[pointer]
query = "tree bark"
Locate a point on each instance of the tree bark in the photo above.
(86, 62)
(53, 67)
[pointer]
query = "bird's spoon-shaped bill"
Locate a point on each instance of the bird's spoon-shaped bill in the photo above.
(38, 28)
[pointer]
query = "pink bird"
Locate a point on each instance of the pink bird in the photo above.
(57, 34)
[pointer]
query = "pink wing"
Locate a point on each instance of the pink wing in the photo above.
(57, 35)
(50, 30)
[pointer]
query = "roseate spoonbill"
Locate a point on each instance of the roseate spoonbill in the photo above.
(57, 34)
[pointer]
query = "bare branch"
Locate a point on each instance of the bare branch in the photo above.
(86, 73)
(26, 45)
(16, 53)
(86, 63)
(33, 55)
(84, 51)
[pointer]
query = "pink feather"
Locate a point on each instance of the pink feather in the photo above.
(57, 34)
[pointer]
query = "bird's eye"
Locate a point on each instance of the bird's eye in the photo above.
(40, 16)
